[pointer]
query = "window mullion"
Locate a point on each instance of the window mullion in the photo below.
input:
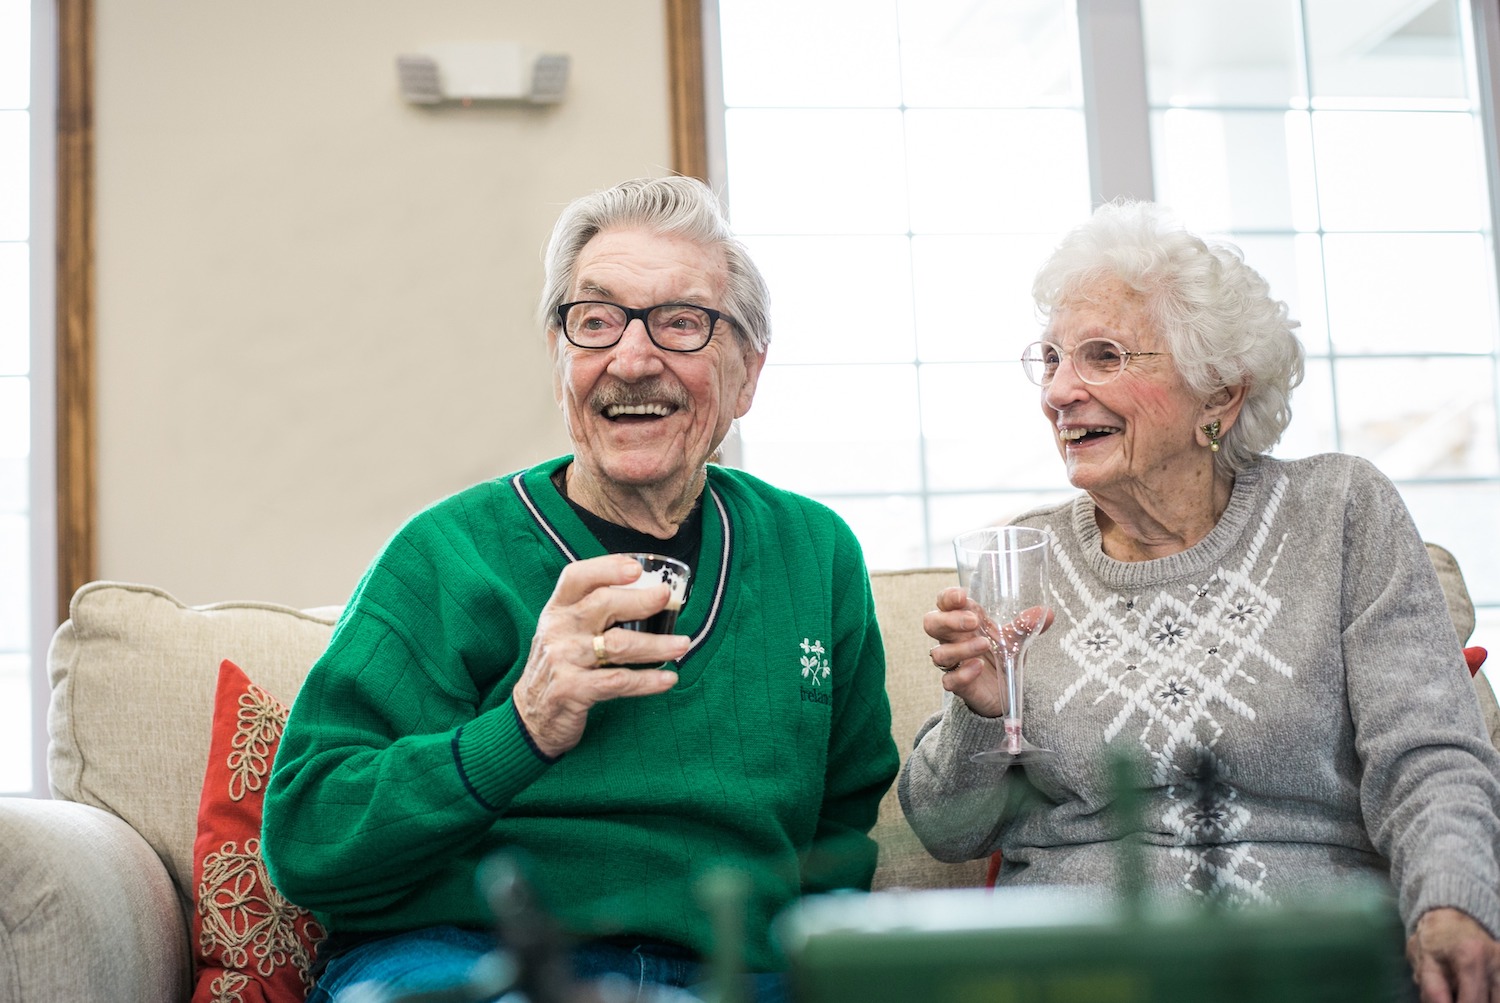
(1116, 115)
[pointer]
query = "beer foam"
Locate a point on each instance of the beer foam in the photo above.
(663, 576)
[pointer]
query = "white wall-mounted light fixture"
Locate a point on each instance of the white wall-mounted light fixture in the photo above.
(466, 72)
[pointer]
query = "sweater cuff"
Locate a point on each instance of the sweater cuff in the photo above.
(1461, 892)
(531, 741)
(970, 732)
(495, 757)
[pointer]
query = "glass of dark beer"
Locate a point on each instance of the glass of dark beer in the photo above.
(659, 570)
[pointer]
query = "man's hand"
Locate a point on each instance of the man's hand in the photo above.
(1453, 959)
(563, 677)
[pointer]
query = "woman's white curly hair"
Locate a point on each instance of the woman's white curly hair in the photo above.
(1216, 313)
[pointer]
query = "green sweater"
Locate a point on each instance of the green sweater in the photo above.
(403, 765)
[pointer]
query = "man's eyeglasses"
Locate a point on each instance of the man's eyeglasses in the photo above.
(1096, 361)
(672, 327)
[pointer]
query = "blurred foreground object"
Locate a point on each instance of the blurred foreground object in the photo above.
(1067, 944)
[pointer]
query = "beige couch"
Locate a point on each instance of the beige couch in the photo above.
(95, 884)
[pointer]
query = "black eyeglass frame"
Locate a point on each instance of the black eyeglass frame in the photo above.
(1125, 356)
(641, 314)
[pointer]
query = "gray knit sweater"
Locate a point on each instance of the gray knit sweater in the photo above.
(1291, 687)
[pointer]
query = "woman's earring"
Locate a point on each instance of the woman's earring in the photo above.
(1212, 431)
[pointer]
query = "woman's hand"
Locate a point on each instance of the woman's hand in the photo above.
(1453, 959)
(576, 637)
(971, 646)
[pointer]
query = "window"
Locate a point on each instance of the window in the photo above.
(900, 169)
(29, 422)
(16, 745)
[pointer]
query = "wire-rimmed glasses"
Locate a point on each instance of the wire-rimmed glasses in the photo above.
(672, 327)
(1096, 360)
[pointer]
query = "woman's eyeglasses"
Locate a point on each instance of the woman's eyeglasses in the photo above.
(1096, 361)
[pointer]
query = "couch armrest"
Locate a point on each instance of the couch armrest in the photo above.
(1487, 706)
(87, 910)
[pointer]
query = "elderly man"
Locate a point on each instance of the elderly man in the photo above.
(469, 701)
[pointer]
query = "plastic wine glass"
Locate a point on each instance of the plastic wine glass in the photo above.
(1004, 571)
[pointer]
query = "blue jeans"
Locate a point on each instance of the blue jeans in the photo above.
(439, 958)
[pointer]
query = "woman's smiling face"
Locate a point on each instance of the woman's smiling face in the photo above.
(1140, 428)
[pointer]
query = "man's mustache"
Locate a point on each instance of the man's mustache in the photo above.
(652, 391)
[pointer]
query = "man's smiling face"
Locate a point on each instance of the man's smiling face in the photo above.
(640, 417)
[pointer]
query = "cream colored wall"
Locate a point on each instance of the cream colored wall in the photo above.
(316, 302)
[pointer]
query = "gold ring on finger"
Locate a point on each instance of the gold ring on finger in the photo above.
(600, 658)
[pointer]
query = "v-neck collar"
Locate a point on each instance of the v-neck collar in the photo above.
(574, 542)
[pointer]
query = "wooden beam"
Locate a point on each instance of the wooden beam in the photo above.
(76, 547)
(685, 83)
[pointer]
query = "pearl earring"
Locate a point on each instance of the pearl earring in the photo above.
(1212, 431)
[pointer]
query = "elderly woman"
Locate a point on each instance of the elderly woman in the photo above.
(1267, 636)
(472, 698)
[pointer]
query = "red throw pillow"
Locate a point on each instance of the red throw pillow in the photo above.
(250, 945)
(1475, 656)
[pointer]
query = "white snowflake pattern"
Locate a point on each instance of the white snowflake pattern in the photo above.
(1242, 611)
(1168, 632)
(1173, 692)
(1100, 641)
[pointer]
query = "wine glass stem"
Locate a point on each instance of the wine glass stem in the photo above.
(1013, 704)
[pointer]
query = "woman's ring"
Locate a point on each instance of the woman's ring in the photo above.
(931, 654)
(600, 658)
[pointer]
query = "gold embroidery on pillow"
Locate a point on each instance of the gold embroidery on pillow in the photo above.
(226, 988)
(246, 921)
(257, 729)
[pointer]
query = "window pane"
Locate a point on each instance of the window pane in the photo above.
(847, 175)
(1465, 518)
(1312, 429)
(954, 514)
(997, 171)
(15, 53)
(958, 53)
(1399, 170)
(1409, 292)
(834, 429)
(15, 485)
(15, 310)
(1221, 52)
(859, 307)
(15, 583)
(795, 54)
(973, 295)
(1293, 265)
(1419, 418)
(16, 695)
(1235, 170)
(985, 429)
(883, 526)
(15, 722)
(15, 417)
(15, 175)
(1383, 49)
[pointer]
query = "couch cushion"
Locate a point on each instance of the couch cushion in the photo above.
(901, 599)
(1460, 606)
(133, 673)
